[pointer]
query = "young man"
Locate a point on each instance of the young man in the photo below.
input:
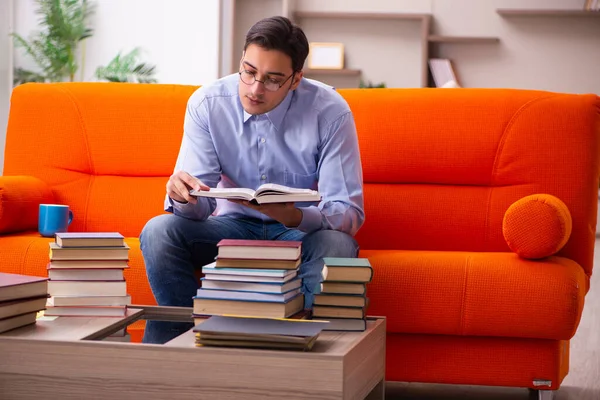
(264, 124)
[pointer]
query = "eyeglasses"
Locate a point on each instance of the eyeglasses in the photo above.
(272, 85)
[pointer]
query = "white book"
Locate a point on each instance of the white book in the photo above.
(245, 296)
(89, 300)
(260, 287)
(84, 311)
(243, 278)
(266, 193)
(442, 72)
(86, 274)
(87, 288)
(276, 273)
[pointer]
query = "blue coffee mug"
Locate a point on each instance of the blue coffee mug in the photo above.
(54, 218)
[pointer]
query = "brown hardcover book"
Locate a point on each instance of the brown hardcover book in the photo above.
(248, 308)
(7, 324)
(16, 286)
(88, 253)
(259, 249)
(86, 274)
(61, 301)
(340, 300)
(89, 239)
(339, 312)
(344, 324)
(22, 306)
(254, 264)
(343, 288)
(87, 288)
(341, 269)
(87, 264)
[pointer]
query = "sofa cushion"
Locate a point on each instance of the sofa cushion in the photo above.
(476, 293)
(20, 197)
(537, 226)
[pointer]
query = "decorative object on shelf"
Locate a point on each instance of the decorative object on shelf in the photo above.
(370, 85)
(443, 73)
(326, 55)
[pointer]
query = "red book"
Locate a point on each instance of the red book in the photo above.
(15, 286)
(259, 249)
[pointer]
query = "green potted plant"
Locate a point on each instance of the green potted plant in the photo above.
(64, 26)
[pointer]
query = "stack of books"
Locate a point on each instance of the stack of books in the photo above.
(86, 275)
(270, 333)
(252, 278)
(343, 299)
(21, 298)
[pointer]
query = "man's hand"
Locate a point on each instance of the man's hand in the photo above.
(180, 184)
(286, 213)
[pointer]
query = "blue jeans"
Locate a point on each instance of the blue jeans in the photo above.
(174, 247)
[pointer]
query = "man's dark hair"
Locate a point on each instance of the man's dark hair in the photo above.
(279, 33)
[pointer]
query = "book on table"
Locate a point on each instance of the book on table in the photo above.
(260, 287)
(339, 312)
(264, 194)
(89, 239)
(88, 264)
(87, 288)
(260, 249)
(11, 308)
(267, 309)
(87, 300)
(328, 287)
(17, 286)
(97, 274)
(256, 263)
(340, 300)
(339, 269)
(88, 253)
(85, 311)
(344, 324)
(237, 331)
(17, 321)
(248, 275)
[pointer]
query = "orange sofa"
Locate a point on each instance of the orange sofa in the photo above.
(441, 168)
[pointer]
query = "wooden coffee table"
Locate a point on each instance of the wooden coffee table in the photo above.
(62, 359)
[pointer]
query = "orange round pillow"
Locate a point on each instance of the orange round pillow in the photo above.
(537, 226)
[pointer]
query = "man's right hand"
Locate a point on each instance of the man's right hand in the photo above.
(180, 184)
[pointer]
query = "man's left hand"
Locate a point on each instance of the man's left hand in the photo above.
(285, 213)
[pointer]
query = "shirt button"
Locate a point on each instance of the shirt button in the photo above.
(262, 140)
(263, 177)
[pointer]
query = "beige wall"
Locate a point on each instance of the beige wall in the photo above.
(6, 22)
(549, 53)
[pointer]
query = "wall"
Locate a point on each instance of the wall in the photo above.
(6, 23)
(548, 53)
(179, 37)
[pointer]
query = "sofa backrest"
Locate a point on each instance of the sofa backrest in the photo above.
(441, 166)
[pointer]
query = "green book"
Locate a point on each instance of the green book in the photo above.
(338, 269)
(346, 262)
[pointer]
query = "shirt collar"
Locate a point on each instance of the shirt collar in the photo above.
(276, 115)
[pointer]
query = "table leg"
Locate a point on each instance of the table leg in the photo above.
(378, 392)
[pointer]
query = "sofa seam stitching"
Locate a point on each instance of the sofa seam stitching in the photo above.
(499, 151)
(69, 94)
(464, 297)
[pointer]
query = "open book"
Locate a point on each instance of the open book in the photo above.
(266, 193)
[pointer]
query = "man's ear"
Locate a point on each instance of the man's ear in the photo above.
(297, 78)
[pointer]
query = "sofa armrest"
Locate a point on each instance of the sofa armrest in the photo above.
(20, 197)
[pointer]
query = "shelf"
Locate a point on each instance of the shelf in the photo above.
(360, 15)
(546, 13)
(462, 39)
(339, 72)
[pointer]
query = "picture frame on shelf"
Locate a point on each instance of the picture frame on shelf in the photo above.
(326, 55)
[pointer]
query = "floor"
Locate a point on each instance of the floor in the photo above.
(582, 382)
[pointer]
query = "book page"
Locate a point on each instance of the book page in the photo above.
(225, 193)
(273, 188)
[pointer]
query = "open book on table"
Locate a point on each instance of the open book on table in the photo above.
(266, 193)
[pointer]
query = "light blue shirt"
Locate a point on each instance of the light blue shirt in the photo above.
(307, 141)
